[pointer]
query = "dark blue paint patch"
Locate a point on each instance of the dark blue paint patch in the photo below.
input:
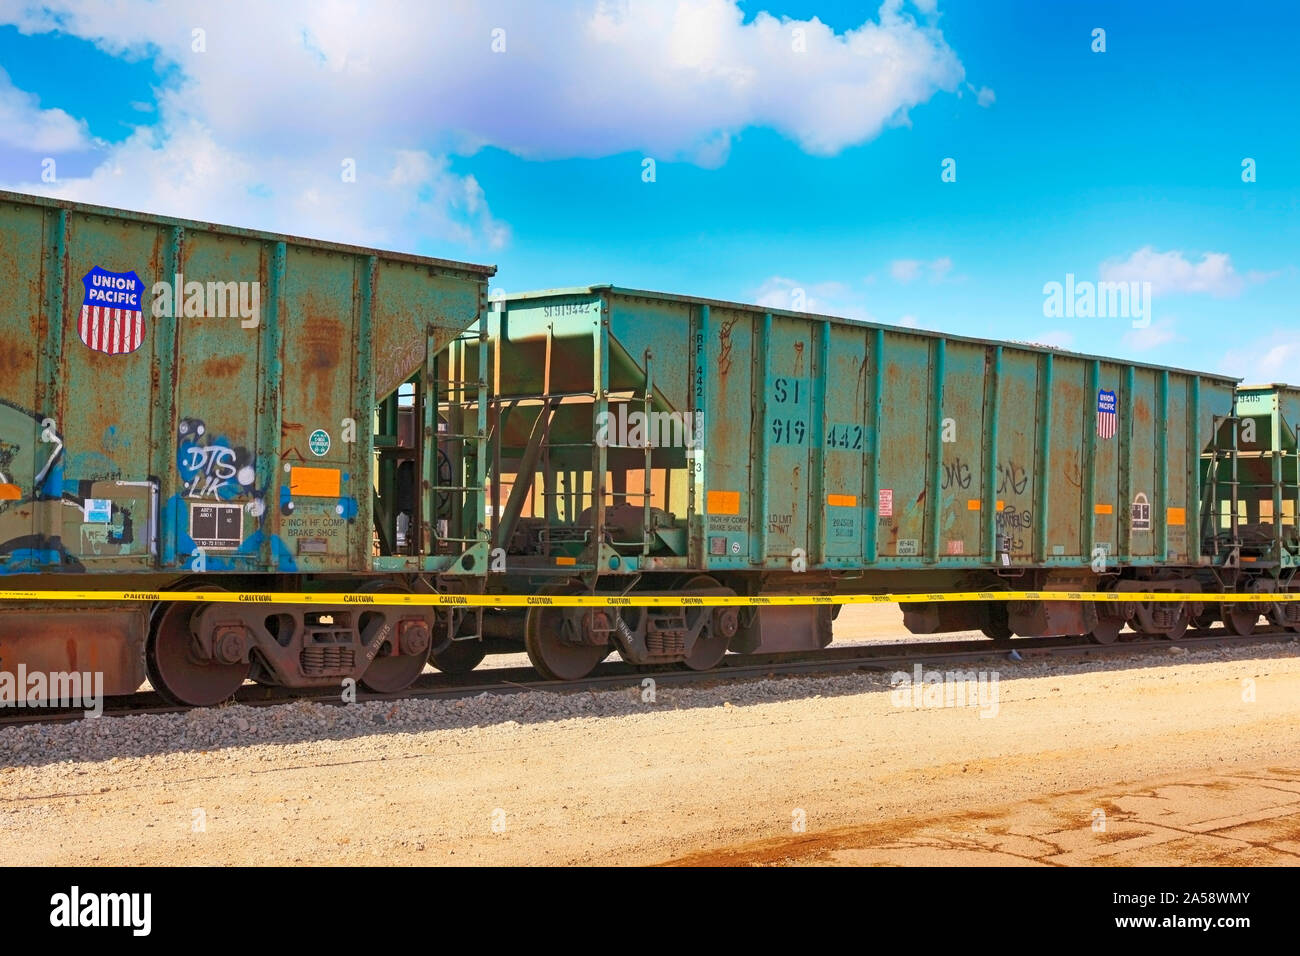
(52, 486)
(30, 559)
(281, 557)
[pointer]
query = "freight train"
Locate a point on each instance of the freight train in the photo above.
(190, 407)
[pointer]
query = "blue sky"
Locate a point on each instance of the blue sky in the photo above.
(781, 175)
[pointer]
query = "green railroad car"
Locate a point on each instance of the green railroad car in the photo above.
(741, 449)
(183, 405)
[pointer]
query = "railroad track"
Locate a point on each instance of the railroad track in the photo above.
(737, 667)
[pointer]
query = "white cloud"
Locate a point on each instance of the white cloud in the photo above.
(909, 321)
(909, 270)
(399, 194)
(905, 270)
(1258, 276)
(1173, 273)
(257, 125)
(823, 298)
(24, 124)
(1272, 357)
(1158, 333)
(984, 95)
(1278, 360)
(577, 78)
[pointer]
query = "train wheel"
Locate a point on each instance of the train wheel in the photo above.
(1278, 615)
(997, 624)
(460, 657)
(177, 672)
(1107, 630)
(1240, 618)
(1178, 614)
(392, 672)
(711, 647)
(554, 656)
(1179, 628)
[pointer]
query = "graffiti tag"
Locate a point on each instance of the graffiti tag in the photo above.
(956, 472)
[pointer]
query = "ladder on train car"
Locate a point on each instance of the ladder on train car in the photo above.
(1211, 515)
(453, 505)
(567, 487)
(1222, 533)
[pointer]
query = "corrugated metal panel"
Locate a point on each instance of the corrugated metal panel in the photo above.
(171, 430)
(856, 444)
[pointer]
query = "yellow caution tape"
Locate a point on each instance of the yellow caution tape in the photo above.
(632, 600)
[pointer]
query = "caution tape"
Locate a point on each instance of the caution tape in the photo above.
(336, 598)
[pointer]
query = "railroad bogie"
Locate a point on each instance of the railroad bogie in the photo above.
(200, 653)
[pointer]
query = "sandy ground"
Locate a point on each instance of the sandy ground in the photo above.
(1165, 759)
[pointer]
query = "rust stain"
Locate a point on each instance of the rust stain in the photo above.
(288, 449)
(322, 343)
(155, 255)
(798, 358)
(981, 830)
(222, 366)
(14, 355)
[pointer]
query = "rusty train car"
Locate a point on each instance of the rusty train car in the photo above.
(781, 452)
(184, 405)
(188, 406)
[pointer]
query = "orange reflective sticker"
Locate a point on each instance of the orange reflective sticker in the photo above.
(723, 502)
(315, 482)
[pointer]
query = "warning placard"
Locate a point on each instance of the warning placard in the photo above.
(886, 505)
(217, 526)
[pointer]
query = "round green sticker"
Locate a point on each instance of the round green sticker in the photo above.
(319, 442)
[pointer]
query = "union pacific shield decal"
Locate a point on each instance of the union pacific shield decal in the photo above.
(1107, 414)
(112, 313)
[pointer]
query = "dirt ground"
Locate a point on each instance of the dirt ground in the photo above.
(1165, 759)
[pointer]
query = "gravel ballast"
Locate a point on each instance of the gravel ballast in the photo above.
(236, 725)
